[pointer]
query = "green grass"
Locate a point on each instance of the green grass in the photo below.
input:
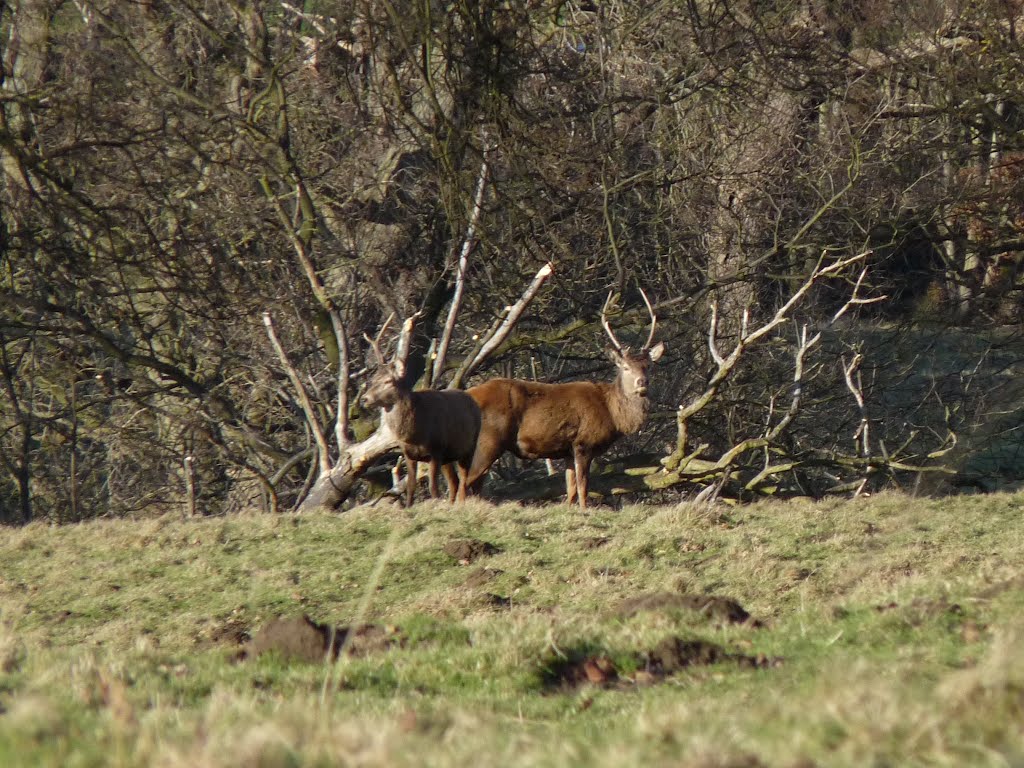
(896, 625)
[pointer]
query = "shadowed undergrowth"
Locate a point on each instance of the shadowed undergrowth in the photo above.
(884, 630)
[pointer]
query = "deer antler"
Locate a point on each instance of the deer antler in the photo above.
(654, 322)
(607, 327)
(375, 342)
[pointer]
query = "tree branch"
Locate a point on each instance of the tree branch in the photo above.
(341, 417)
(324, 459)
(503, 328)
(460, 273)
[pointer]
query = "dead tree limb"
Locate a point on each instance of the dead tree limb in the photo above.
(726, 363)
(862, 435)
(502, 327)
(324, 456)
(341, 417)
(334, 486)
(460, 272)
(681, 466)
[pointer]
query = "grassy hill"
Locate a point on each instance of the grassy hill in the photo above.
(882, 631)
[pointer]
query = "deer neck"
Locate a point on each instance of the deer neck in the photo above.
(399, 417)
(627, 411)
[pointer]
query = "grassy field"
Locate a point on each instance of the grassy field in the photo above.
(883, 631)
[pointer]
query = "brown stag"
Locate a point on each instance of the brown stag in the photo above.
(574, 421)
(439, 426)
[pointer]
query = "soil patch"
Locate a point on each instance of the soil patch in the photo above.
(480, 576)
(465, 551)
(299, 637)
(670, 656)
(594, 542)
(995, 590)
(571, 673)
(497, 601)
(922, 609)
(674, 653)
(723, 609)
(234, 631)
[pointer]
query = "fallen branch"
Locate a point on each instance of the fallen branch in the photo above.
(334, 486)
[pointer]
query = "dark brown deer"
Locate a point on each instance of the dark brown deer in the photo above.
(574, 421)
(439, 426)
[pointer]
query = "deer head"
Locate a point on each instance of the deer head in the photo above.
(633, 367)
(385, 387)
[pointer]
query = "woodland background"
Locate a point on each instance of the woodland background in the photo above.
(822, 199)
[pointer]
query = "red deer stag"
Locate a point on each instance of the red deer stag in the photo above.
(574, 421)
(439, 426)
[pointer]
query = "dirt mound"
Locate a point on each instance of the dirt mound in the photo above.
(234, 631)
(299, 637)
(1017, 582)
(575, 671)
(674, 653)
(719, 608)
(496, 601)
(670, 656)
(480, 576)
(465, 551)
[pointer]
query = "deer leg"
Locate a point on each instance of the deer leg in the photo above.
(432, 480)
(570, 484)
(487, 452)
(583, 459)
(464, 489)
(410, 480)
(453, 482)
(476, 488)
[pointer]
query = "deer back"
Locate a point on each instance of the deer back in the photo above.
(538, 420)
(444, 424)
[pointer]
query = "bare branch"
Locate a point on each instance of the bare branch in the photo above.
(783, 313)
(713, 336)
(341, 417)
(460, 273)
(190, 485)
(405, 342)
(727, 363)
(855, 299)
(299, 245)
(857, 390)
(504, 328)
(803, 348)
(312, 19)
(334, 485)
(324, 458)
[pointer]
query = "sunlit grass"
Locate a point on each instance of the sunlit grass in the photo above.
(892, 623)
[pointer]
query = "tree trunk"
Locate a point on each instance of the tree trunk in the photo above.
(27, 50)
(334, 486)
(25, 479)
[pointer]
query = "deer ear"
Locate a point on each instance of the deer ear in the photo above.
(398, 367)
(656, 351)
(613, 354)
